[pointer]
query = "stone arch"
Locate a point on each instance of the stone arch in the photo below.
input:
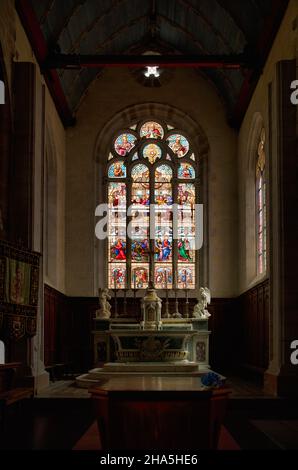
(176, 118)
(139, 112)
(253, 139)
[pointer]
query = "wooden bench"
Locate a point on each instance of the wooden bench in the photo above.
(58, 371)
(16, 394)
(9, 394)
(51, 370)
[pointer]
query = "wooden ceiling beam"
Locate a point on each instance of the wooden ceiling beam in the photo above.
(40, 48)
(264, 44)
(77, 61)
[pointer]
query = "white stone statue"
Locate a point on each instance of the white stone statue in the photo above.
(104, 312)
(200, 309)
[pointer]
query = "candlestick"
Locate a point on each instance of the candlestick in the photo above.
(186, 304)
(134, 284)
(176, 314)
(167, 315)
(115, 294)
(124, 302)
(186, 294)
(175, 279)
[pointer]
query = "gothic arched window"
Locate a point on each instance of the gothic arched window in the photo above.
(151, 173)
(261, 216)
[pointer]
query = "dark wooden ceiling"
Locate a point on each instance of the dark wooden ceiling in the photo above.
(179, 27)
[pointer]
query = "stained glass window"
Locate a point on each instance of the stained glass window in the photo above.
(117, 276)
(186, 235)
(186, 171)
(140, 172)
(117, 170)
(152, 152)
(124, 143)
(140, 276)
(151, 130)
(179, 144)
(163, 277)
(261, 217)
(163, 241)
(152, 175)
(117, 234)
(163, 173)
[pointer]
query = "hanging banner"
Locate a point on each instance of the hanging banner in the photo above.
(19, 283)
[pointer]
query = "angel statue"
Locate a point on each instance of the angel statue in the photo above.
(104, 311)
(200, 309)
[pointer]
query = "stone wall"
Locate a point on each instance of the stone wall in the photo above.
(16, 48)
(112, 93)
(285, 47)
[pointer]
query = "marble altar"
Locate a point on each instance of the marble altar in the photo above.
(179, 347)
(156, 346)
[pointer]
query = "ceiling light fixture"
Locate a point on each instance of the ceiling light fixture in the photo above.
(152, 71)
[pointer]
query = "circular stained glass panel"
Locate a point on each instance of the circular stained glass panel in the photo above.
(151, 130)
(152, 152)
(179, 144)
(124, 143)
(117, 170)
(186, 171)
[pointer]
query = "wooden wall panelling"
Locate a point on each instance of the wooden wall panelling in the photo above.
(239, 329)
(254, 305)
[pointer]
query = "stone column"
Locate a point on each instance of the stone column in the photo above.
(281, 378)
(41, 377)
(21, 192)
(5, 152)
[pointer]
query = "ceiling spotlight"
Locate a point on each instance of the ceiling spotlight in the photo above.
(152, 71)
